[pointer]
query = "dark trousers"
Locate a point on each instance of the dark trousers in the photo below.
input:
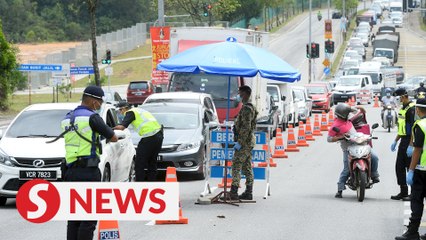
(402, 161)
(146, 157)
(418, 193)
(82, 230)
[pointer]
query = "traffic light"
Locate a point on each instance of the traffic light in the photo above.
(315, 50)
(206, 9)
(107, 59)
(307, 51)
(329, 46)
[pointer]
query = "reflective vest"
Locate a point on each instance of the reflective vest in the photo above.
(76, 146)
(401, 119)
(145, 124)
(422, 125)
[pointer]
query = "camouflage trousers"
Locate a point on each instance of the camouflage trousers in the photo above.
(242, 162)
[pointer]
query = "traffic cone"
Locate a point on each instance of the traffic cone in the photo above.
(172, 177)
(330, 117)
(279, 151)
(291, 141)
(228, 180)
(376, 102)
(271, 160)
(353, 100)
(108, 230)
(317, 129)
(324, 124)
(308, 130)
(301, 138)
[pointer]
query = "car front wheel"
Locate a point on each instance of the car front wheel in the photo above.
(204, 171)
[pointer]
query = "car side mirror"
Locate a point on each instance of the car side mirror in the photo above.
(283, 98)
(376, 125)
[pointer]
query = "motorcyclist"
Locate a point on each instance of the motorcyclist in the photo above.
(319, 15)
(387, 100)
(420, 90)
(346, 127)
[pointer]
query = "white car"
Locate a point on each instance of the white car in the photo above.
(24, 153)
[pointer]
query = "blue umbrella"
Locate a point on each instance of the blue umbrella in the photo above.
(233, 59)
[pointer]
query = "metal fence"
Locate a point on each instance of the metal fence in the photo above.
(118, 42)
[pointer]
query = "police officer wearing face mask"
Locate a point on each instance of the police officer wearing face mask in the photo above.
(151, 132)
(406, 117)
(82, 128)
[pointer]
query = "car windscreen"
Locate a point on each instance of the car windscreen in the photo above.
(315, 90)
(273, 91)
(383, 53)
(138, 85)
(216, 85)
(374, 76)
(175, 116)
(298, 94)
(38, 123)
(172, 100)
(348, 82)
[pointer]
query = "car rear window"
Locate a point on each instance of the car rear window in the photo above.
(138, 85)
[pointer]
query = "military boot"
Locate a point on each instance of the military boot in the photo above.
(247, 194)
(232, 195)
(403, 194)
(410, 234)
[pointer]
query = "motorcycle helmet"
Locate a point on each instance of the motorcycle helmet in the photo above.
(400, 92)
(342, 111)
(421, 84)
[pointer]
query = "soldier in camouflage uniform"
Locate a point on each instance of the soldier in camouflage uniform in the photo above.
(244, 139)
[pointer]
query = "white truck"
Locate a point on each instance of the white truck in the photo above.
(217, 85)
(285, 99)
(373, 70)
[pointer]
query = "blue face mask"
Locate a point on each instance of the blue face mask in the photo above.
(388, 94)
(238, 98)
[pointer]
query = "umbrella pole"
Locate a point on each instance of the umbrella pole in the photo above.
(226, 198)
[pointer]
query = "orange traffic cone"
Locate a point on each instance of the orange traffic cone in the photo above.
(353, 100)
(172, 177)
(308, 130)
(228, 180)
(279, 151)
(324, 124)
(291, 141)
(330, 118)
(301, 138)
(108, 230)
(271, 160)
(376, 102)
(317, 129)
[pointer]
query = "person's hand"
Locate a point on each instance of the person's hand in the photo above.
(393, 146)
(410, 176)
(410, 151)
(237, 146)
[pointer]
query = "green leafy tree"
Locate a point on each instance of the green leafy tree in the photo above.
(9, 75)
(249, 9)
(349, 4)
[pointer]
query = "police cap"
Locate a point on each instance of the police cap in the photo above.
(94, 92)
(123, 104)
(421, 103)
(400, 92)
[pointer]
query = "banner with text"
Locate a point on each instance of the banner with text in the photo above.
(160, 45)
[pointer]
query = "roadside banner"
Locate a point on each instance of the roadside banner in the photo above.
(160, 48)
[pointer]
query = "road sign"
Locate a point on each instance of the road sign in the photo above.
(326, 62)
(108, 71)
(40, 68)
(82, 70)
(327, 71)
(64, 73)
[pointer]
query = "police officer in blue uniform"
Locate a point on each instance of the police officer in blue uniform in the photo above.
(82, 128)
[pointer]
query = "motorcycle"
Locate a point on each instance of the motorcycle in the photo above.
(359, 162)
(389, 116)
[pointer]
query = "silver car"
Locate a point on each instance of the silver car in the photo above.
(412, 83)
(186, 127)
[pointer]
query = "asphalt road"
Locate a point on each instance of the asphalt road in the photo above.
(301, 205)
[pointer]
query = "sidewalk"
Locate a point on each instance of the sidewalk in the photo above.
(413, 24)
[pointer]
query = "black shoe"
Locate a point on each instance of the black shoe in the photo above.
(408, 235)
(423, 237)
(399, 196)
(375, 179)
(407, 198)
(338, 194)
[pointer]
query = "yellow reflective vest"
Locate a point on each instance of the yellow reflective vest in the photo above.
(422, 125)
(145, 123)
(401, 119)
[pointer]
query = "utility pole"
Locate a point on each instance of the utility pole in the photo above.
(310, 41)
(161, 12)
(328, 9)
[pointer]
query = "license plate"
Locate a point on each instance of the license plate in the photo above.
(344, 96)
(159, 158)
(31, 174)
(138, 93)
